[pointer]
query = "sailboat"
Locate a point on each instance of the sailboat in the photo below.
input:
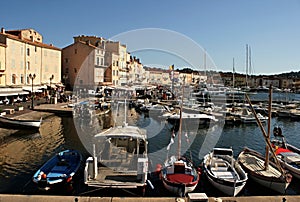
(258, 167)
(179, 175)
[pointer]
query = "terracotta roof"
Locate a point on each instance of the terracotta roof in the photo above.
(35, 43)
(2, 44)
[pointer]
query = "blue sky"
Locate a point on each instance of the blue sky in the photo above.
(222, 28)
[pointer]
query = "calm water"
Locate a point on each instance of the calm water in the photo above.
(23, 153)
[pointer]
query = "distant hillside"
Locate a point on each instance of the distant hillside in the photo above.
(290, 75)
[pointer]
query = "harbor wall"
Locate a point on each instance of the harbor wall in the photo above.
(46, 198)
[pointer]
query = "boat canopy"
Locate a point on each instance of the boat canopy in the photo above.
(124, 131)
(223, 151)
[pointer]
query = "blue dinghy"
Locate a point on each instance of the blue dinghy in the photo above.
(60, 169)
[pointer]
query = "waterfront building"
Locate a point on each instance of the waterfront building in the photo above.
(83, 62)
(136, 70)
(2, 64)
(119, 67)
(22, 54)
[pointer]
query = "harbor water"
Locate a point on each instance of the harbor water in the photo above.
(23, 152)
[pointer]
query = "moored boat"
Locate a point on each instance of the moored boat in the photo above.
(59, 170)
(287, 154)
(223, 172)
(20, 123)
(259, 168)
(120, 158)
(180, 176)
(254, 164)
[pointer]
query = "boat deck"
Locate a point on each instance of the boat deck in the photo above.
(108, 177)
(256, 164)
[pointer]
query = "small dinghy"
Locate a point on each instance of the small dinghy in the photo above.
(59, 170)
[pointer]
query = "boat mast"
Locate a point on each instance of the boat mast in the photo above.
(250, 63)
(233, 69)
(246, 65)
(269, 128)
(268, 142)
(180, 120)
(233, 79)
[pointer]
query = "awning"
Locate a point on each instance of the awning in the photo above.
(12, 93)
(52, 86)
(60, 85)
(37, 89)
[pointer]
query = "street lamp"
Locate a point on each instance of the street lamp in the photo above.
(51, 78)
(32, 77)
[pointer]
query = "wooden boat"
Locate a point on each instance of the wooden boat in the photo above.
(119, 158)
(287, 154)
(19, 123)
(179, 175)
(258, 167)
(223, 172)
(59, 170)
(254, 164)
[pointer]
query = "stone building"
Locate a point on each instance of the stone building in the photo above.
(23, 54)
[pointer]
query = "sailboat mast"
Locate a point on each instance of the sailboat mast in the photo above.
(233, 69)
(247, 65)
(269, 128)
(250, 62)
(180, 120)
(233, 79)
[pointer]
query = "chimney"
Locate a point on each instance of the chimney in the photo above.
(2, 30)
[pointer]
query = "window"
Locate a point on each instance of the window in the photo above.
(75, 70)
(13, 79)
(102, 61)
(67, 70)
(28, 65)
(35, 49)
(27, 79)
(22, 79)
(28, 51)
(66, 60)
(97, 63)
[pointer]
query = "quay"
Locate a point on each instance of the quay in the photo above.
(47, 198)
(60, 109)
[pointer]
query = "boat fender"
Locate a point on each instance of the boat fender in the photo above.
(158, 168)
(44, 176)
(199, 170)
(69, 179)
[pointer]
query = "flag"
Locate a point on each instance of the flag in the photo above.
(171, 141)
(171, 67)
(187, 137)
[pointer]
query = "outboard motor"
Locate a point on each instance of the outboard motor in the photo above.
(277, 131)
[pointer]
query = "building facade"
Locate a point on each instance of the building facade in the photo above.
(22, 54)
(83, 62)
